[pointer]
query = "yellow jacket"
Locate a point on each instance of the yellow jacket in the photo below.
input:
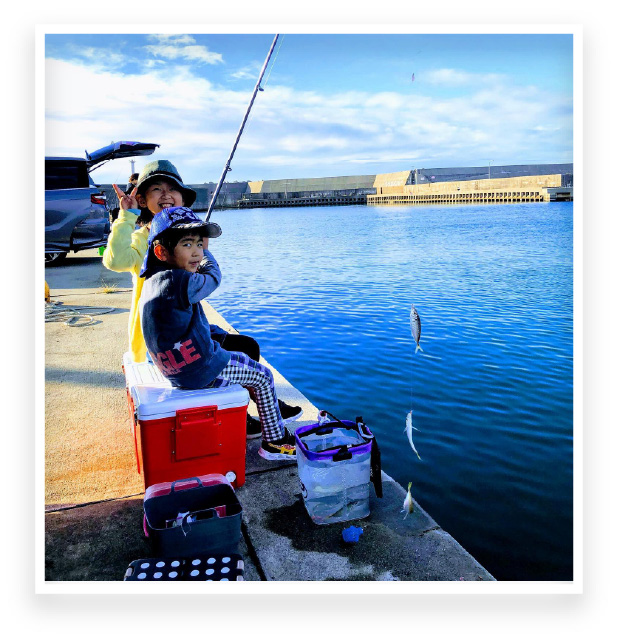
(125, 252)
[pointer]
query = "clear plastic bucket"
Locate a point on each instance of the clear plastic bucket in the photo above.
(333, 461)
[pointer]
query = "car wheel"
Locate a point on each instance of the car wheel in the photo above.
(54, 258)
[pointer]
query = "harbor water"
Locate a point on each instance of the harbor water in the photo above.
(327, 293)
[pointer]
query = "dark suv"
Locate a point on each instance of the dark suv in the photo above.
(76, 212)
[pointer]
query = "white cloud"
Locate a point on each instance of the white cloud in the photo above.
(179, 39)
(184, 48)
(101, 57)
(459, 78)
(307, 142)
(296, 133)
(249, 72)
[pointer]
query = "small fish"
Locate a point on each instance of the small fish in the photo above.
(409, 432)
(408, 506)
(416, 328)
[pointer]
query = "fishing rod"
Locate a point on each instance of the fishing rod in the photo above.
(227, 167)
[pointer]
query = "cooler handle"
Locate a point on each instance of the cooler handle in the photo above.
(185, 480)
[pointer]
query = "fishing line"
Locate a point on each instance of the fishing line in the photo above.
(266, 82)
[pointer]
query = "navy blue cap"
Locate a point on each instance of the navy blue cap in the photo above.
(178, 217)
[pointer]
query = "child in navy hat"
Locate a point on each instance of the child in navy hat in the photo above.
(179, 272)
(159, 185)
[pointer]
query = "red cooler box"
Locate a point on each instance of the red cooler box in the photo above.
(181, 433)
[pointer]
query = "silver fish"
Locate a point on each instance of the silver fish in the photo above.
(416, 328)
(409, 432)
(408, 507)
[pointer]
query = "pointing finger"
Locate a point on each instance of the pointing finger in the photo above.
(119, 192)
(135, 189)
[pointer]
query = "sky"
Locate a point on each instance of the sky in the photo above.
(333, 105)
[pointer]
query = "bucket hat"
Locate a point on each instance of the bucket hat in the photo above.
(165, 170)
(178, 217)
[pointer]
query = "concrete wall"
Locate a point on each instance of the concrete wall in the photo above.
(527, 188)
(516, 183)
(327, 187)
(255, 186)
(443, 174)
(320, 184)
(393, 179)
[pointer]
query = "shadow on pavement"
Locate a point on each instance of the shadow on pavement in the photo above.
(104, 379)
(95, 542)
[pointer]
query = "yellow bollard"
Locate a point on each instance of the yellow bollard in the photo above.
(47, 297)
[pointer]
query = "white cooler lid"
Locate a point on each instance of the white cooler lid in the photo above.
(154, 396)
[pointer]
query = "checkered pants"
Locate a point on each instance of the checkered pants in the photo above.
(258, 380)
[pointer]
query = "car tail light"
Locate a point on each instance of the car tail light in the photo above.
(99, 199)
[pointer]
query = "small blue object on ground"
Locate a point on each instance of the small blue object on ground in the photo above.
(351, 534)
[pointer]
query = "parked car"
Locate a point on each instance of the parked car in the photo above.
(76, 212)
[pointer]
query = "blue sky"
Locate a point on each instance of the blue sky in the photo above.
(334, 104)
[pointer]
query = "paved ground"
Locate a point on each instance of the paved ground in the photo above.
(93, 493)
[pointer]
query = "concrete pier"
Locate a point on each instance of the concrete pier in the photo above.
(523, 189)
(93, 493)
(303, 202)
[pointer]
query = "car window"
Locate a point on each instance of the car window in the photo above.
(66, 174)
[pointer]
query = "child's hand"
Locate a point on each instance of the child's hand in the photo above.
(126, 201)
(205, 266)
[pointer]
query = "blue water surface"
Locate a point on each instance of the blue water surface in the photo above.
(327, 293)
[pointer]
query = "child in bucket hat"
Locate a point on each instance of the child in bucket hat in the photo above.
(176, 219)
(165, 176)
(179, 272)
(159, 185)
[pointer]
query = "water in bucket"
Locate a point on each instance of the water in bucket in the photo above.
(334, 470)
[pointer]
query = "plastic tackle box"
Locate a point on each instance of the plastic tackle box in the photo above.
(188, 517)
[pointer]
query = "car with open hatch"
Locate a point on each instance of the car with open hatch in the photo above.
(76, 211)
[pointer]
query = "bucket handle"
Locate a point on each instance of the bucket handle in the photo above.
(327, 428)
(185, 525)
(185, 480)
(342, 454)
(363, 428)
(336, 419)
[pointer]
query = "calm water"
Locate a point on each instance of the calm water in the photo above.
(327, 293)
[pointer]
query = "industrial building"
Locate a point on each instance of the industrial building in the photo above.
(421, 186)
(332, 190)
(502, 184)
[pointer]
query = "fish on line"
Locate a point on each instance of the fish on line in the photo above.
(408, 429)
(408, 507)
(415, 327)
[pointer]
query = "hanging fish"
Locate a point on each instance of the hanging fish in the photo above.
(408, 506)
(416, 328)
(409, 432)
(409, 420)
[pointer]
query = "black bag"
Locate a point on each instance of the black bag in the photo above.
(375, 467)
